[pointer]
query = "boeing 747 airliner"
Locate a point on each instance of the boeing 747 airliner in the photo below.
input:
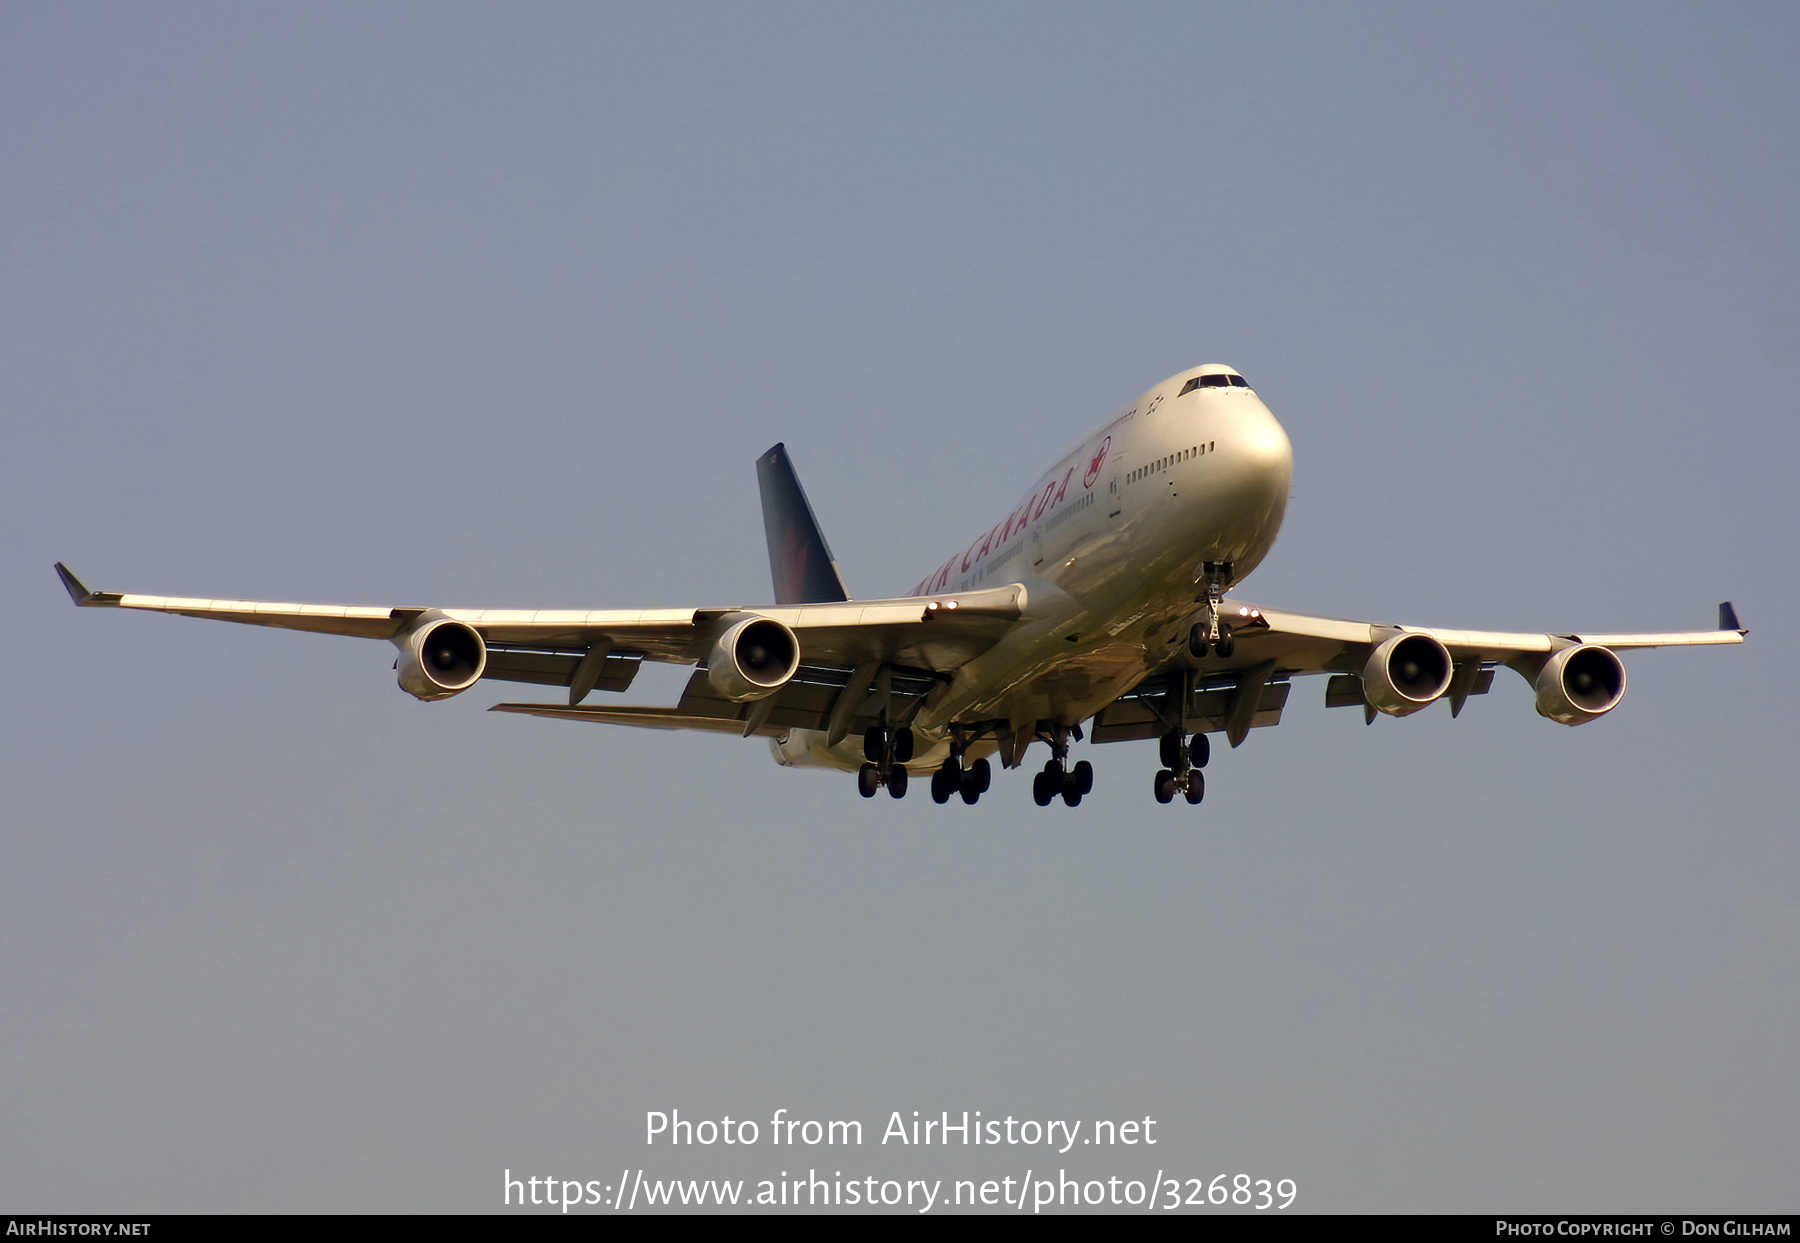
(1099, 603)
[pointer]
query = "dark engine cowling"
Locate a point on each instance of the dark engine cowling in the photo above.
(441, 658)
(1406, 673)
(1580, 683)
(753, 659)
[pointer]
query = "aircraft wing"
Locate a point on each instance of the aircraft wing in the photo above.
(911, 643)
(1378, 666)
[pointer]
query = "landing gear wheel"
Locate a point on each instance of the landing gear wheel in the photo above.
(1226, 645)
(1171, 750)
(1196, 786)
(903, 745)
(1165, 786)
(874, 745)
(969, 793)
(943, 785)
(1197, 642)
(1042, 790)
(896, 782)
(868, 780)
(1083, 777)
(1199, 751)
(983, 773)
(1072, 794)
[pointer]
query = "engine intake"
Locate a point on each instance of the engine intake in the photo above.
(753, 659)
(1406, 673)
(1580, 683)
(440, 659)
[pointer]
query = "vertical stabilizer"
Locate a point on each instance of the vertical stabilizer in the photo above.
(799, 559)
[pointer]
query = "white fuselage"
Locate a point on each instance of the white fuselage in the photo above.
(1110, 542)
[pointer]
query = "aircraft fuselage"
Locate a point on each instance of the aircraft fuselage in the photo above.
(1112, 543)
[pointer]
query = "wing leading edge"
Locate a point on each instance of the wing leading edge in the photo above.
(917, 641)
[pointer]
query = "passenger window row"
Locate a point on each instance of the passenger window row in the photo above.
(1144, 472)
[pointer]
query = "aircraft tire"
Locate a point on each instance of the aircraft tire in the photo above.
(970, 794)
(1197, 642)
(868, 780)
(1083, 776)
(1165, 786)
(1196, 787)
(1072, 795)
(943, 785)
(873, 744)
(896, 782)
(903, 745)
(1226, 644)
(1170, 752)
(1041, 791)
(1199, 750)
(984, 774)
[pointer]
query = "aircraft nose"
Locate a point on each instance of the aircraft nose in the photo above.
(1266, 454)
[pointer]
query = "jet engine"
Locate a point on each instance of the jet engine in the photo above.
(1406, 673)
(753, 659)
(441, 658)
(1580, 683)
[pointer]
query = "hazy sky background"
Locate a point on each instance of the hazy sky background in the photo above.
(496, 305)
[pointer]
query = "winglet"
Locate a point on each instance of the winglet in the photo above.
(78, 590)
(1728, 618)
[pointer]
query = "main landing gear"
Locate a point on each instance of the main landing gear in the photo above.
(886, 752)
(1182, 761)
(1058, 778)
(954, 777)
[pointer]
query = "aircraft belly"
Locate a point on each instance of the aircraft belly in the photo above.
(808, 748)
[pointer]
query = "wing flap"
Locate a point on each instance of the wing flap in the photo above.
(1135, 717)
(643, 718)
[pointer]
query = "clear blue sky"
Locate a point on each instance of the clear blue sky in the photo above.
(496, 305)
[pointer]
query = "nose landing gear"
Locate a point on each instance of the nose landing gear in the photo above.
(1210, 631)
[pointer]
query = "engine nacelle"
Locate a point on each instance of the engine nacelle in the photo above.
(1406, 673)
(1580, 683)
(753, 660)
(440, 659)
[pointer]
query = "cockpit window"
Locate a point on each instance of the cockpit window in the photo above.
(1213, 381)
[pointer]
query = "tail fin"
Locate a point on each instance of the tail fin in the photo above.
(799, 559)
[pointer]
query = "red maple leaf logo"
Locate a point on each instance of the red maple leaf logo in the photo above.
(1093, 470)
